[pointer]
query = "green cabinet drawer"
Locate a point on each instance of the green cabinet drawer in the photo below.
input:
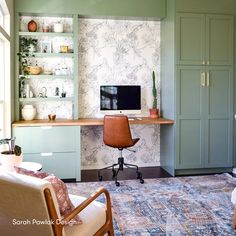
(47, 139)
(57, 148)
(62, 165)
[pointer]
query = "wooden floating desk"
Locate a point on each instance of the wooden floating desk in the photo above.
(90, 122)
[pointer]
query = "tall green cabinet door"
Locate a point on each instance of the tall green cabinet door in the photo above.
(219, 117)
(189, 124)
(219, 39)
(190, 38)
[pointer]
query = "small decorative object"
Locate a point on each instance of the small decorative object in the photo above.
(12, 157)
(43, 92)
(47, 72)
(154, 112)
(34, 70)
(45, 28)
(27, 90)
(58, 28)
(32, 26)
(46, 47)
(51, 116)
(28, 112)
(64, 70)
(57, 91)
(57, 70)
(64, 49)
(63, 94)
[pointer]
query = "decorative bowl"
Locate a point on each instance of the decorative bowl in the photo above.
(34, 70)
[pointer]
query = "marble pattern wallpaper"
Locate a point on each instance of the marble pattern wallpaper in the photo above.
(122, 52)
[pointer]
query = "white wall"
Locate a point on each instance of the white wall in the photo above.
(117, 52)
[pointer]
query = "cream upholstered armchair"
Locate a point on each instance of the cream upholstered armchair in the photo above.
(28, 206)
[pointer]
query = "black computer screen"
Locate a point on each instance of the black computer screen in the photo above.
(120, 97)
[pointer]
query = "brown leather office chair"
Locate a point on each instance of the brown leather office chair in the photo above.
(116, 134)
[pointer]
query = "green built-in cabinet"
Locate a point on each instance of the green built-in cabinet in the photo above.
(199, 74)
(57, 148)
(204, 116)
(204, 39)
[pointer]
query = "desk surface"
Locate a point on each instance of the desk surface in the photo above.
(90, 122)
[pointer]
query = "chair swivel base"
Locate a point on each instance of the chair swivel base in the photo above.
(121, 165)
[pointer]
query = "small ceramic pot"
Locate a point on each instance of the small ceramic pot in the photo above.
(154, 113)
(28, 112)
(8, 161)
(58, 27)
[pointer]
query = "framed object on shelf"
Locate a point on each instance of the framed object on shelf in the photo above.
(46, 47)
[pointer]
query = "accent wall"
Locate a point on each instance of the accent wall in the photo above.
(118, 52)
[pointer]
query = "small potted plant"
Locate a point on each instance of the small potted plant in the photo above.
(154, 112)
(13, 156)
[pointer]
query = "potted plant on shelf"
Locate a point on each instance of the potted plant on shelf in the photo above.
(13, 156)
(27, 49)
(154, 112)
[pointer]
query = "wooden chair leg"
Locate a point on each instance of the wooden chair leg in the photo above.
(234, 218)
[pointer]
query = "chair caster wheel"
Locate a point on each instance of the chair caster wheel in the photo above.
(141, 181)
(100, 178)
(139, 176)
(117, 184)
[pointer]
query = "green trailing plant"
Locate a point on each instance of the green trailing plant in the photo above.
(12, 148)
(154, 91)
(26, 52)
(24, 58)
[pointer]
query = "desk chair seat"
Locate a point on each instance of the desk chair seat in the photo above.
(116, 134)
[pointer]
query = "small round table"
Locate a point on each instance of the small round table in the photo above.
(33, 166)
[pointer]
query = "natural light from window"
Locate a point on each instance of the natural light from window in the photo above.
(5, 85)
(1, 17)
(1, 88)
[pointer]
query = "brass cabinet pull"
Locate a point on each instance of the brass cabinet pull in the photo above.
(207, 79)
(203, 79)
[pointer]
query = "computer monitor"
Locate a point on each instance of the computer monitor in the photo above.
(120, 99)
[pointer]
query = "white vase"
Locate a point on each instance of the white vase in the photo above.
(8, 161)
(28, 112)
(58, 27)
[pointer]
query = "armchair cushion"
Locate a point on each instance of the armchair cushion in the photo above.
(93, 217)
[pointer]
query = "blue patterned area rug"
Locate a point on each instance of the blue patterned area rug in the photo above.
(198, 205)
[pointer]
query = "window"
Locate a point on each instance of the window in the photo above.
(1, 17)
(1, 89)
(5, 81)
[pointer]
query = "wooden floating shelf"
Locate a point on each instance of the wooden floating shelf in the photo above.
(42, 54)
(48, 99)
(48, 76)
(53, 34)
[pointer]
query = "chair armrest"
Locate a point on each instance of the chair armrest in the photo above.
(86, 202)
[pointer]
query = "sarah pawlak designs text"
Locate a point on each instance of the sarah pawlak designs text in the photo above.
(36, 222)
